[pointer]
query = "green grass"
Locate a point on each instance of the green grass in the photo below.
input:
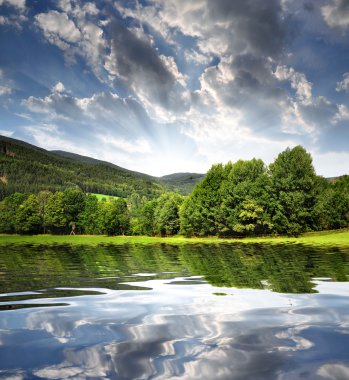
(330, 238)
(104, 196)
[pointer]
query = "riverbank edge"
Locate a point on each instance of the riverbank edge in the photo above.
(330, 238)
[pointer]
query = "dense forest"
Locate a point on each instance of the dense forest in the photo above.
(244, 198)
(249, 198)
(26, 168)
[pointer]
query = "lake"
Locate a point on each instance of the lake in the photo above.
(174, 312)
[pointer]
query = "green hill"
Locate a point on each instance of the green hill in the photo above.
(94, 161)
(27, 168)
(182, 183)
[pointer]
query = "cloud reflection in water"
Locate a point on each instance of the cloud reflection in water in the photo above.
(185, 332)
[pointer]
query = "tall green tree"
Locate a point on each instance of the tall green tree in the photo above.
(198, 215)
(166, 214)
(88, 218)
(28, 219)
(145, 220)
(74, 204)
(135, 202)
(8, 211)
(43, 198)
(55, 213)
(113, 217)
(243, 189)
(293, 194)
(332, 207)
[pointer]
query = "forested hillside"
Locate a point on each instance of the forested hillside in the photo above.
(182, 183)
(26, 168)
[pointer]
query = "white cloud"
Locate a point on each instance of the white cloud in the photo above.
(336, 14)
(16, 17)
(136, 146)
(344, 84)
(298, 81)
(333, 371)
(5, 90)
(343, 112)
(197, 57)
(90, 8)
(58, 87)
(6, 133)
(58, 28)
(56, 105)
(222, 137)
(51, 137)
(172, 67)
(73, 32)
(101, 108)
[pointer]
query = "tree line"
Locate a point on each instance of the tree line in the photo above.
(72, 210)
(244, 198)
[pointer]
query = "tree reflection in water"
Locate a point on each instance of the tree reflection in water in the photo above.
(150, 312)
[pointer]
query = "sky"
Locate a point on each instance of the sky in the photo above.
(164, 86)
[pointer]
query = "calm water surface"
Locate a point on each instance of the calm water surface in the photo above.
(165, 312)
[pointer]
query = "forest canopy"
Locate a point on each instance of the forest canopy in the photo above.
(245, 198)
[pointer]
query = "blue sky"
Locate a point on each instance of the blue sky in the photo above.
(163, 86)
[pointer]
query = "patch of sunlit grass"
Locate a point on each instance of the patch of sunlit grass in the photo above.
(333, 238)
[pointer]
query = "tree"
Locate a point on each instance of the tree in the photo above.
(332, 207)
(43, 198)
(74, 204)
(55, 213)
(88, 218)
(251, 218)
(199, 212)
(8, 210)
(113, 217)
(166, 214)
(244, 186)
(135, 202)
(28, 218)
(293, 193)
(145, 222)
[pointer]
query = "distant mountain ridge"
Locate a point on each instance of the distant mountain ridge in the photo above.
(95, 161)
(27, 168)
(182, 182)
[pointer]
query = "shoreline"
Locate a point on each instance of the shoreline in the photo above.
(334, 238)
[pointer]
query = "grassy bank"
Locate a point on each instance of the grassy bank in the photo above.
(330, 238)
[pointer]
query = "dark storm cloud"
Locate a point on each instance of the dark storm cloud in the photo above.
(342, 5)
(308, 6)
(257, 25)
(139, 64)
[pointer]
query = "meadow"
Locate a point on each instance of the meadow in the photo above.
(105, 197)
(338, 238)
